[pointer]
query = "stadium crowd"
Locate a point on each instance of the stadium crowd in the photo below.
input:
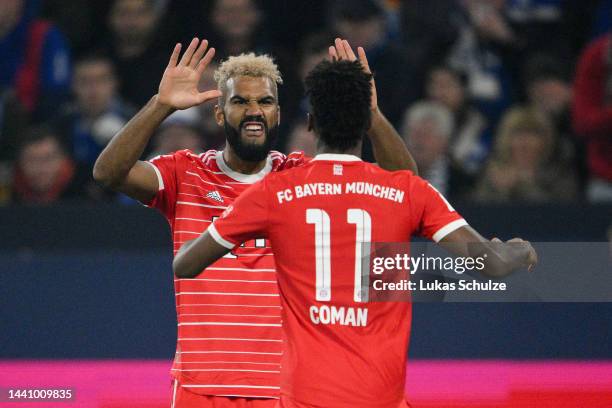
(497, 100)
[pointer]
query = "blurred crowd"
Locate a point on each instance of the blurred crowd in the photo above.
(498, 100)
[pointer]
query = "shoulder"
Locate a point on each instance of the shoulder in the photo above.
(186, 159)
(395, 175)
(406, 180)
(187, 156)
(207, 159)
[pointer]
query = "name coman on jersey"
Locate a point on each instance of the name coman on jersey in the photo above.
(229, 327)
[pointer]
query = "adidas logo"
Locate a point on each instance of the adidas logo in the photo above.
(215, 196)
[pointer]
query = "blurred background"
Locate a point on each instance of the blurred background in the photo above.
(506, 106)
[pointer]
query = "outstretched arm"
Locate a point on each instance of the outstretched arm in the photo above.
(389, 149)
(118, 166)
(501, 258)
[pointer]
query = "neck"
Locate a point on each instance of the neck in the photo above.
(241, 166)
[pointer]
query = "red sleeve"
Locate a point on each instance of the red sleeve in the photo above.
(591, 115)
(437, 217)
(165, 167)
(245, 219)
(294, 159)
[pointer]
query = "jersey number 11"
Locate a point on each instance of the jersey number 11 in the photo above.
(363, 222)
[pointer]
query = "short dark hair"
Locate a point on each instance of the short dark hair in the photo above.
(38, 133)
(95, 56)
(340, 94)
(460, 75)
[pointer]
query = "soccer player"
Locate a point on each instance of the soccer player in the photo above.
(340, 349)
(229, 338)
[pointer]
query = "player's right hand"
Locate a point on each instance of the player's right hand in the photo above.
(342, 50)
(179, 85)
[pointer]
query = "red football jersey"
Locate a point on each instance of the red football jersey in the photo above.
(229, 336)
(339, 351)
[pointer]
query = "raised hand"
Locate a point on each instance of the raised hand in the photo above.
(341, 50)
(179, 84)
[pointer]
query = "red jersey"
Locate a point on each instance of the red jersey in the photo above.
(339, 351)
(229, 336)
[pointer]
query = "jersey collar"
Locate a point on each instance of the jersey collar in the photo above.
(244, 178)
(336, 157)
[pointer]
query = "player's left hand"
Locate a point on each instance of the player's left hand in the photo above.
(341, 50)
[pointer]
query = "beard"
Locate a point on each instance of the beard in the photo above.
(251, 152)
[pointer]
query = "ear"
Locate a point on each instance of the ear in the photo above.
(310, 121)
(219, 115)
(278, 115)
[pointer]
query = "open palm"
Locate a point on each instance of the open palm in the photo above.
(179, 85)
(342, 50)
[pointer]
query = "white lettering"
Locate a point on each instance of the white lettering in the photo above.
(344, 316)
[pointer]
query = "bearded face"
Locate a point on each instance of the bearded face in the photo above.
(250, 116)
(246, 139)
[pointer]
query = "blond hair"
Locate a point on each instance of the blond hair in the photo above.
(258, 66)
(522, 120)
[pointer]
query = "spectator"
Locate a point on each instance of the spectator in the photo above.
(448, 87)
(34, 58)
(540, 26)
(45, 173)
(137, 47)
(429, 28)
(427, 130)
(522, 166)
(236, 25)
(362, 23)
(548, 86)
(484, 50)
(96, 112)
(549, 91)
(179, 131)
(79, 21)
(592, 115)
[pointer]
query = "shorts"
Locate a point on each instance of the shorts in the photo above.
(182, 398)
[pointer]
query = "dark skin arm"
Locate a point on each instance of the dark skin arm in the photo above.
(389, 149)
(502, 258)
(118, 166)
(196, 255)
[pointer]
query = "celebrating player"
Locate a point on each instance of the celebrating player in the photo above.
(229, 338)
(340, 350)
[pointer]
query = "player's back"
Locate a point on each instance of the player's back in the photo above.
(341, 348)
